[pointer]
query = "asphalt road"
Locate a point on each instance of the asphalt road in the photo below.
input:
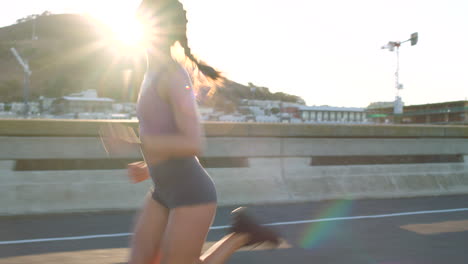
(386, 231)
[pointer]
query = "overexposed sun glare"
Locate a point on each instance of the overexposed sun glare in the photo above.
(127, 32)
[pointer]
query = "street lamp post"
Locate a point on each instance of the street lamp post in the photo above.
(391, 45)
(27, 75)
(34, 34)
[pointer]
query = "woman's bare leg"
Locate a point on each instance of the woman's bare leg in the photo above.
(221, 251)
(148, 233)
(246, 231)
(186, 232)
(185, 235)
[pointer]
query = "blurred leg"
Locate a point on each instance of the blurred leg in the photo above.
(221, 251)
(186, 232)
(148, 233)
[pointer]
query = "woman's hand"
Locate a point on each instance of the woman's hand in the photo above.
(138, 171)
(118, 139)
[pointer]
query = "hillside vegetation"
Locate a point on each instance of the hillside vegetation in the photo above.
(70, 55)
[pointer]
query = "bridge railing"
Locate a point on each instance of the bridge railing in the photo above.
(51, 166)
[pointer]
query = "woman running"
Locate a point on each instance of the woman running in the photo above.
(175, 220)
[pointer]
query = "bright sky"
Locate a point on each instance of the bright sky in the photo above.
(326, 51)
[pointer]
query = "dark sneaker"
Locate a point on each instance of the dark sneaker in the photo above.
(243, 223)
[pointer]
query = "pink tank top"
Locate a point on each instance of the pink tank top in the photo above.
(155, 114)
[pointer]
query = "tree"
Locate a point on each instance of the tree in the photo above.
(32, 17)
(275, 110)
(11, 90)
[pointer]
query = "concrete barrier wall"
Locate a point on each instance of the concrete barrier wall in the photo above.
(278, 165)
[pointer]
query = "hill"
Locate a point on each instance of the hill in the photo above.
(71, 55)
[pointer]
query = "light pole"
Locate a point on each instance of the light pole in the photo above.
(391, 45)
(27, 74)
(34, 35)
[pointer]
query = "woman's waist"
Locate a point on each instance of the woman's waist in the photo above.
(153, 158)
(150, 128)
(175, 165)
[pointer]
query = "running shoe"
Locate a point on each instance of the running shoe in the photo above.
(244, 223)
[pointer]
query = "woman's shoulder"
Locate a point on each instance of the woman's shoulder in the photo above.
(174, 80)
(179, 74)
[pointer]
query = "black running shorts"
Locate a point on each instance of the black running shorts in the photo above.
(182, 182)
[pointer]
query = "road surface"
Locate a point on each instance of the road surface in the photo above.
(384, 231)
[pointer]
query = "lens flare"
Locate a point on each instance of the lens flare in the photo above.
(130, 33)
(125, 34)
(320, 231)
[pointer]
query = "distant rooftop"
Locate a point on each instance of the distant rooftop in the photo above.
(331, 108)
(88, 95)
(72, 98)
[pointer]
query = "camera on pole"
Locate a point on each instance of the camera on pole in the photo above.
(391, 45)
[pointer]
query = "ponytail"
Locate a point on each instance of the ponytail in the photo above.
(180, 19)
(207, 70)
(175, 19)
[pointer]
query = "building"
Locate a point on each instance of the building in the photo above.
(84, 102)
(454, 113)
(330, 114)
(292, 111)
(19, 107)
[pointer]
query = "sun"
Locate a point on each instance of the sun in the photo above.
(127, 34)
(129, 31)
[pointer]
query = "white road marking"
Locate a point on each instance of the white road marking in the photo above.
(39, 240)
(368, 216)
(62, 238)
